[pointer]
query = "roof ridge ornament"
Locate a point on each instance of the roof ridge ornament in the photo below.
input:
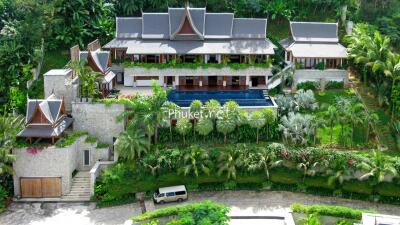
(186, 23)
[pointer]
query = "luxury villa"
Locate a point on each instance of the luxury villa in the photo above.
(200, 55)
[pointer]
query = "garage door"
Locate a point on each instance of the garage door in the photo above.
(41, 187)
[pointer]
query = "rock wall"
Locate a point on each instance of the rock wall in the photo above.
(98, 119)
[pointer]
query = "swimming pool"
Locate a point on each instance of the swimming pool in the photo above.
(242, 97)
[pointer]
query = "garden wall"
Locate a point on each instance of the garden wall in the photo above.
(53, 161)
(302, 75)
(98, 120)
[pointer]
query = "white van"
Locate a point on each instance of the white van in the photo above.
(170, 194)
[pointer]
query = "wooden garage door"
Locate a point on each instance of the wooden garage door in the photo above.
(41, 187)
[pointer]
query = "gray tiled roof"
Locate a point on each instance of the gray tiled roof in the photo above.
(249, 28)
(46, 130)
(236, 46)
(218, 25)
(314, 31)
(101, 58)
(155, 25)
(50, 108)
(207, 26)
(128, 27)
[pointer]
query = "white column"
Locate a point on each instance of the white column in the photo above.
(200, 83)
(176, 80)
(219, 59)
(206, 58)
(247, 80)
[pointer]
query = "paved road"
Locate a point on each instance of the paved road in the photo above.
(241, 203)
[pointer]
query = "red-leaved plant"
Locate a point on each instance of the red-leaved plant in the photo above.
(33, 150)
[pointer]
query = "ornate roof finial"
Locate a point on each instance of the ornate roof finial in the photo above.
(187, 5)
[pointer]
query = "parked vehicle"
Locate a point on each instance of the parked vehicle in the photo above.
(170, 194)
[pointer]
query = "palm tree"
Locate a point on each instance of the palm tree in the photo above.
(195, 109)
(266, 160)
(195, 160)
(257, 121)
(371, 119)
(226, 123)
(132, 143)
(229, 162)
(377, 168)
(355, 116)
(171, 110)
(204, 126)
(331, 116)
(9, 127)
(338, 168)
(270, 118)
(212, 108)
(183, 127)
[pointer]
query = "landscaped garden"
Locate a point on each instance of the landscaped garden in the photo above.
(316, 143)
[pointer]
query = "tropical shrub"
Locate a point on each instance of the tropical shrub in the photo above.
(296, 128)
(305, 99)
(206, 212)
(308, 85)
(329, 210)
(334, 85)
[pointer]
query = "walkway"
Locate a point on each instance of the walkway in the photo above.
(241, 203)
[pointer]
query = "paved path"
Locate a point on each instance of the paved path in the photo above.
(241, 203)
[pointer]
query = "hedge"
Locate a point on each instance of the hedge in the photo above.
(308, 85)
(330, 210)
(179, 209)
(388, 189)
(357, 186)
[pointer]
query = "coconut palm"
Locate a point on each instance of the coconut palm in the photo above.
(355, 114)
(9, 127)
(331, 116)
(171, 109)
(132, 143)
(377, 168)
(266, 160)
(195, 160)
(183, 127)
(338, 169)
(195, 109)
(229, 162)
(226, 123)
(270, 118)
(257, 121)
(204, 126)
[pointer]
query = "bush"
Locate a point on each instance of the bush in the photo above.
(308, 85)
(334, 85)
(356, 186)
(320, 66)
(329, 210)
(388, 189)
(207, 211)
(69, 140)
(318, 182)
(90, 139)
(102, 145)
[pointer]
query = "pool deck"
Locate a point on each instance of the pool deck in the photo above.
(210, 88)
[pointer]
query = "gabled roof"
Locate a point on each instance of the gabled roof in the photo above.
(128, 27)
(318, 50)
(53, 110)
(249, 28)
(50, 108)
(184, 19)
(155, 26)
(314, 31)
(218, 25)
(99, 58)
(204, 26)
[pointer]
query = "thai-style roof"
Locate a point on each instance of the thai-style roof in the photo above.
(99, 58)
(314, 31)
(248, 46)
(314, 40)
(194, 27)
(45, 118)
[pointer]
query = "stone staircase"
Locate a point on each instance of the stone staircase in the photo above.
(80, 189)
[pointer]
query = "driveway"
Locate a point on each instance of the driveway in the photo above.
(241, 203)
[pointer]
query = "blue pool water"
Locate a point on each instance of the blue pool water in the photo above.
(243, 97)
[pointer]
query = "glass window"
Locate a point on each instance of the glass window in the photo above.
(170, 194)
(180, 192)
(161, 195)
